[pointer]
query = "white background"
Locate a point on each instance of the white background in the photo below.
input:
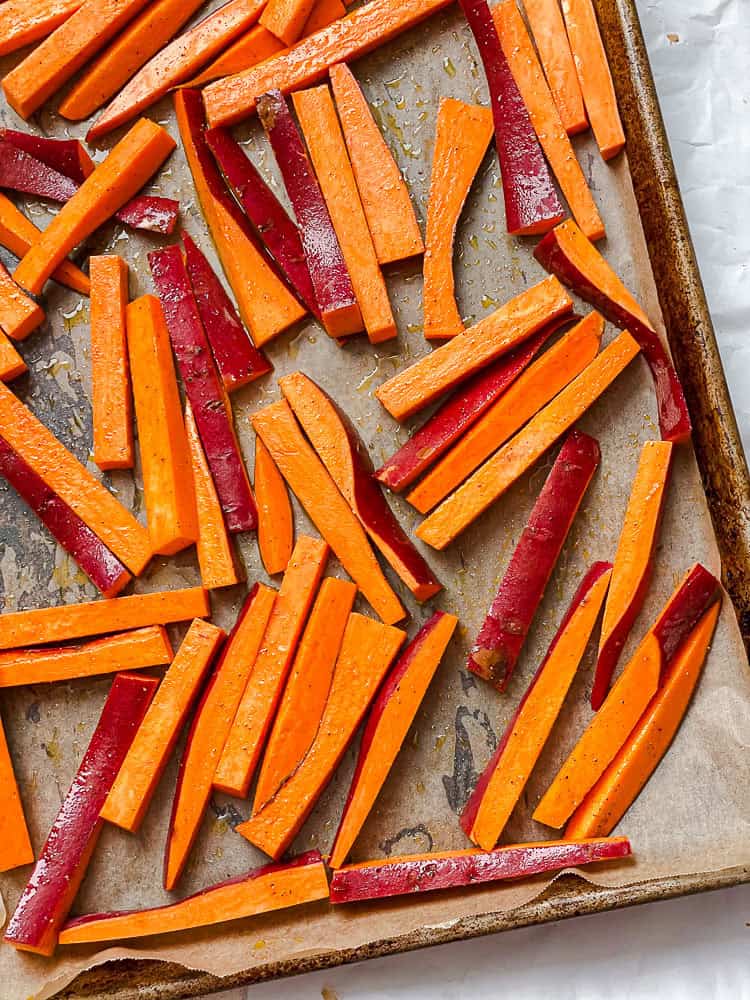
(689, 949)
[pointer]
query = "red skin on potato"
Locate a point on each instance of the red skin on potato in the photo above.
(276, 230)
(501, 637)
(531, 202)
(453, 869)
(203, 388)
(674, 419)
(57, 875)
(462, 410)
(698, 591)
(343, 453)
(469, 814)
(239, 361)
(66, 156)
(101, 565)
(21, 171)
(334, 294)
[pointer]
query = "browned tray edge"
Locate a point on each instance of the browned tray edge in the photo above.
(724, 470)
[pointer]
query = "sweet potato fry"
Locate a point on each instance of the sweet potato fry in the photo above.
(133, 788)
(22, 23)
(19, 314)
(101, 566)
(111, 402)
(252, 722)
(461, 140)
(234, 98)
(390, 719)
(74, 484)
(498, 645)
(463, 356)
(45, 902)
(324, 504)
(210, 727)
(176, 62)
(633, 561)
(15, 843)
(134, 159)
(491, 480)
(168, 488)
(76, 621)
(65, 51)
(217, 559)
(17, 233)
(342, 451)
(134, 650)
(366, 653)
(11, 363)
(535, 387)
(266, 305)
(273, 887)
(306, 691)
(503, 780)
(551, 38)
(275, 517)
(622, 781)
(385, 196)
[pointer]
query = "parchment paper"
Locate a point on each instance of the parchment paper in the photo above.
(693, 815)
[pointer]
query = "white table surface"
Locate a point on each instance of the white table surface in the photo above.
(696, 948)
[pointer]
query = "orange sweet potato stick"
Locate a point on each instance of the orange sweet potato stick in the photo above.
(15, 844)
(167, 476)
(22, 23)
(65, 51)
(389, 722)
(259, 44)
(594, 75)
(633, 561)
(142, 647)
(493, 478)
(266, 305)
(273, 887)
(116, 614)
(534, 389)
(74, 484)
(286, 18)
(152, 746)
(257, 708)
(210, 727)
(500, 786)
(17, 233)
(436, 373)
(111, 404)
(275, 518)
(545, 118)
(627, 701)
(347, 460)
(461, 140)
(135, 158)
(144, 36)
(232, 99)
(217, 558)
(177, 62)
(316, 491)
(19, 315)
(367, 651)
(322, 132)
(385, 196)
(306, 691)
(551, 38)
(11, 363)
(622, 781)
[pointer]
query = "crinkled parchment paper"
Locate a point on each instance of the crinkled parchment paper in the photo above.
(693, 815)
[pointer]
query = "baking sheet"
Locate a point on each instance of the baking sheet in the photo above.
(691, 818)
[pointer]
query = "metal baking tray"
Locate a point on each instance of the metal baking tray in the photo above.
(727, 485)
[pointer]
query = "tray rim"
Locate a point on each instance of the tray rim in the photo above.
(724, 471)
